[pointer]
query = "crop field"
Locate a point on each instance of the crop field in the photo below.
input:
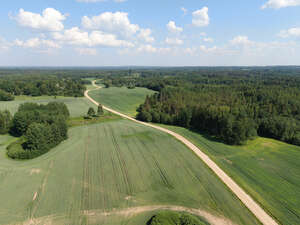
(267, 169)
(122, 99)
(112, 173)
(77, 106)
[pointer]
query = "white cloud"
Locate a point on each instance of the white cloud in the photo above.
(145, 35)
(190, 51)
(147, 48)
(173, 41)
(201, 18)
(151, 49)
(173, 28)
(36, 43)
(277, 4)
(111, 22)
(241, 41)
(86, 51)
(75, 36)
(203, 48)
(50, 20)
(292, 32)
(208, 39)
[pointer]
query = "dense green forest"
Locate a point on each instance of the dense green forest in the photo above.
(41, 127)
(231, 104)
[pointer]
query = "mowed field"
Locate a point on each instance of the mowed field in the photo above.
(267, 169)
(104, 173)
(123, 100)
(77, 106)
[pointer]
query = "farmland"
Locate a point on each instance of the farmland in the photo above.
(121, 99)
(265, 168)
(76, 106)
(111, 167)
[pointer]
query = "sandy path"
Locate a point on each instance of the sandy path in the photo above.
(129, 212)
(260, 214)
(95, 215)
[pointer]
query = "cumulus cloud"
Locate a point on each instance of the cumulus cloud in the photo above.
(205, 49)
(292, 32)
(147, 48)
(86, 51)
(277, 4)
(151, 49)
(111, 22)
(190, 51)
(75, 36)
(173, 28)
(36, 43)
(145, 35)
(174, 41)
(201, 17)
(49, 20)
(241, 41)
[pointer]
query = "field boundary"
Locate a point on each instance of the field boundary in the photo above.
(246, 199)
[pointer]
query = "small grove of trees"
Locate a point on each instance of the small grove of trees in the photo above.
(174, 218)
(5, 96)
(91, 112)
(41, 127)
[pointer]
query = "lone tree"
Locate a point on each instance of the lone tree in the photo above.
(91, 112)
(100, 111)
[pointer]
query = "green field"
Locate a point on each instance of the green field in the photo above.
(106, 167)
(267, 169)
(77, 106)
(121, 99)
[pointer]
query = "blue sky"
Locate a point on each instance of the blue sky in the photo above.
(149, 33)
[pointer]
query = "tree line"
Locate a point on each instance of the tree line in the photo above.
(38, 85)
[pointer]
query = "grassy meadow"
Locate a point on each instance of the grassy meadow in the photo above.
(121, 99)
(105, 167)
(77, 106)
(267, 169)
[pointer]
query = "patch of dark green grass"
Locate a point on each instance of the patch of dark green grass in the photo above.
(175, 218)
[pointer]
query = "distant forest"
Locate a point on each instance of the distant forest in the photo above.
(232, 104)
(15, 83)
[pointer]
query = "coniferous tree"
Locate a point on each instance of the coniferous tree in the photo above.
(100, 110)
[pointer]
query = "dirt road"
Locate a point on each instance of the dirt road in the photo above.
(256, 209)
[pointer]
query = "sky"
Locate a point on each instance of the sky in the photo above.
(149, 33)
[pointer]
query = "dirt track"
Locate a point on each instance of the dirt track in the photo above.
(260, 214)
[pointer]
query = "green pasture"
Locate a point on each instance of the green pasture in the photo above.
(267, 169)
(121, 99)
(106, 167)
(77, 106)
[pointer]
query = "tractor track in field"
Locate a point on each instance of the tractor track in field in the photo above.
(254, 207)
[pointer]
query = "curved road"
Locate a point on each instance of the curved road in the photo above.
(260, 214)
